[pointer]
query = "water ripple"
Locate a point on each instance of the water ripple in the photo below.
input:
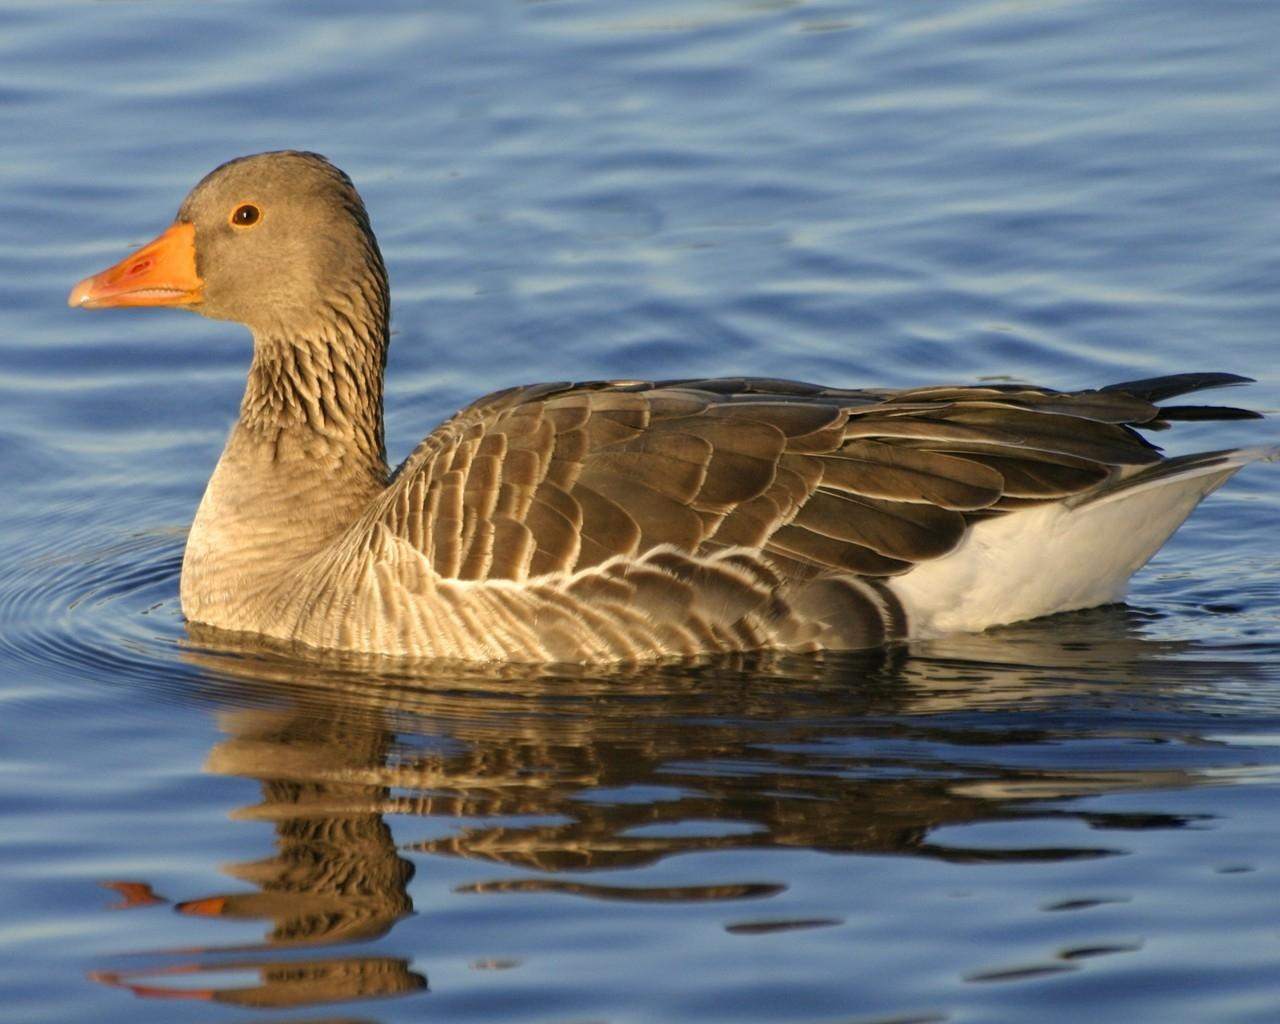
(85, 609)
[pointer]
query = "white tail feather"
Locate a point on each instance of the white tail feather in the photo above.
(1064, 555)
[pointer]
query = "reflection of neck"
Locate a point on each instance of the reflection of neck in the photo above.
(337, 875)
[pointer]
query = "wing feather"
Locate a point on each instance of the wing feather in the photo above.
(817, 482)
(915, 475)
(895, 529)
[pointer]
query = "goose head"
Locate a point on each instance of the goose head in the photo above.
(279, 241)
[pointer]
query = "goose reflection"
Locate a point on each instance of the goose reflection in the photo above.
(554, 776)
(335, 877)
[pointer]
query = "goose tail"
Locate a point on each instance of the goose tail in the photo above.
(1216, 467)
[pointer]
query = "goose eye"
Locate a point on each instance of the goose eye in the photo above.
(245, 215)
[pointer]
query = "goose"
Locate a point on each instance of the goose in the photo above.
(624, 520)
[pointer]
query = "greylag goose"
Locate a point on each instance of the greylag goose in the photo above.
(624, 520)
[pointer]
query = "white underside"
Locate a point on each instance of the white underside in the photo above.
(1050, 559)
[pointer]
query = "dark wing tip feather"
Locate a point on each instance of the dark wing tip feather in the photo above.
(1207, 412)
(1157, 389)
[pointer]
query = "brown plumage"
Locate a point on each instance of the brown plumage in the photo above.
(606, 520)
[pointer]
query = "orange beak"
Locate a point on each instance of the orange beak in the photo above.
(161, 273)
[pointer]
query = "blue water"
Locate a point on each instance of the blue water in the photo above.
(1069, 820)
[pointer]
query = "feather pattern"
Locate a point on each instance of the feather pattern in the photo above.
(687, 516)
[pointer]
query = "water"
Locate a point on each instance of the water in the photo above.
(1068, 820)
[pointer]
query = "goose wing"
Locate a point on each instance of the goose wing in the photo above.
(556, 478)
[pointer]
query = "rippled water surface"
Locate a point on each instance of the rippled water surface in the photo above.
(1074, 819)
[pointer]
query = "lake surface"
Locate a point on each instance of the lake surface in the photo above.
(1074, 819)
